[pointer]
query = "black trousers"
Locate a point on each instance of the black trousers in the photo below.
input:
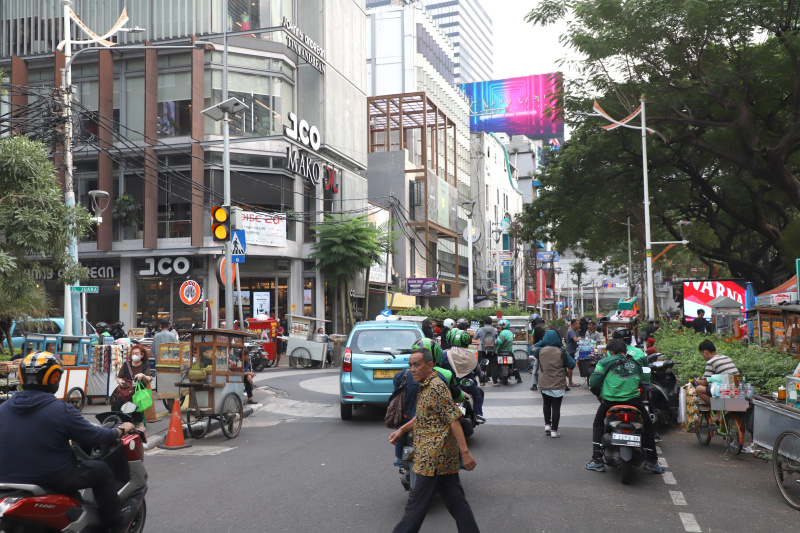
(95, 475)
(248, 388)
(649, 437)
(552, 410)
(452, 493)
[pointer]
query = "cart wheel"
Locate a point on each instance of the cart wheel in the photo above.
(89, 400)
(732, 435)
(76, 397)
(703, 431)
(168, 402)
(270, 363)
(786, 466)
(521, 360)
(230, 419)
(198, 427)
(300, 358)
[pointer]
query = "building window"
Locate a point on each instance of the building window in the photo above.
(174, 104)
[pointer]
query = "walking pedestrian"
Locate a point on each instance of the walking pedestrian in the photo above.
(163, 336)
(573, 337)
(438, 439)
(538, 335)
(553, 364)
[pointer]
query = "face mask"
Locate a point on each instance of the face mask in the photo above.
(136, 358)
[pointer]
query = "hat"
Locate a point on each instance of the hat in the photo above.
(651, 340)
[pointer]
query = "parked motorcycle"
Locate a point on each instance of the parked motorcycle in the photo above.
(117, 330)
(622, 440)
(663, 394)
(31, 508)
(258, 358)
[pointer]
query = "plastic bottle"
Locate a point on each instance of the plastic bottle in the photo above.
(742, 392)
(781, 393)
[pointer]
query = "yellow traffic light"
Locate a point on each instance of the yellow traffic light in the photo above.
(221, 223)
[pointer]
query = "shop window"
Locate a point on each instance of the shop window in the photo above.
(174, 104)
(246, 15)
(309, 295)
(791, 340)
(267, 98)
(777, 332)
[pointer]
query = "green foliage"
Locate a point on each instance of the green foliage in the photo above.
(34, 222)
(478, 314)
(128, 210)
(765, 368)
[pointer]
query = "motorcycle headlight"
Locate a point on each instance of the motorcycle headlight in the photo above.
(7, 504)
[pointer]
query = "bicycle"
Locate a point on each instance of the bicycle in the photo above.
(730, 426)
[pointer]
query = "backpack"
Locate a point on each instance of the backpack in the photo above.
(394, 413)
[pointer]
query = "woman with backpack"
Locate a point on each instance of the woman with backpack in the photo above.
(553, 364)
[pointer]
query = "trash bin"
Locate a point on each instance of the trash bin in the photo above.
(586, 366)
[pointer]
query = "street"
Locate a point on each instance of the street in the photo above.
(297, 467)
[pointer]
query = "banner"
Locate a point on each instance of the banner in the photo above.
(266, 229)
(260, 303)
(697, 294)
(422, 286)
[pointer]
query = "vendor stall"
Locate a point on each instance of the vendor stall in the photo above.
(74, 352)
(269, 344)
(215, 381)
(305, 347)
(518, 325)
(725, 314)
(9, 379)
(171, 363)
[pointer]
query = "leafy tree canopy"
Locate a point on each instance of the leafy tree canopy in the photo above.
(722, 82)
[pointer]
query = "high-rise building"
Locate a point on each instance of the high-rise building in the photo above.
(467, 24)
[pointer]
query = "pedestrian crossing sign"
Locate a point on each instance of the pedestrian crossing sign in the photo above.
(238, 246)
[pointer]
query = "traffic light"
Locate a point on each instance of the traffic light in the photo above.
(221, 223)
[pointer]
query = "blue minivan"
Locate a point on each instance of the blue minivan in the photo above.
(375, 352)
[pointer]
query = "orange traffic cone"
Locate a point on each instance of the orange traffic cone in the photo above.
(174, 440)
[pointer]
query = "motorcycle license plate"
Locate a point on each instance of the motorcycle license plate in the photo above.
(623, 439)
(384, 374)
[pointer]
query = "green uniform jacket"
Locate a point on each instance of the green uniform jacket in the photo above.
(505, 341)
(641, 358)
(452, 384)
(616, 381)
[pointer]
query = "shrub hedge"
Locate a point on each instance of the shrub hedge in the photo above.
(477, 314)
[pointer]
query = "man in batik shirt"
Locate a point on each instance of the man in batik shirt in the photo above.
(438, 439)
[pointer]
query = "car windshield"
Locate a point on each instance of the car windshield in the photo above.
(388, 341)
(48, 327)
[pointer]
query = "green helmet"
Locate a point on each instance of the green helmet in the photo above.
(503, 324)
(459, 338)
(432, 346)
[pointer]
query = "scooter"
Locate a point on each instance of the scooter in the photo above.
(622, 440)
(505, 365)
(407, 476)
(258, 359)
(663, 393)
(25, 508)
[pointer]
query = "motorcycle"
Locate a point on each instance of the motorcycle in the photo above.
(258, 359)
(31, 508)
(663, 393)
(117, 330)
(505, 364)
(622, 440)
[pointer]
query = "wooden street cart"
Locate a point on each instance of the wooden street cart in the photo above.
(9, 379)
(221, 394)
(172, 363)
(75, 354)
(305, 347)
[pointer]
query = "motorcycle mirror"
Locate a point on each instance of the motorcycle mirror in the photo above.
(129, 407)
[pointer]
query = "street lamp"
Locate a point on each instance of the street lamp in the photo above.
(557, 271)
(218, 112)
(469, 206)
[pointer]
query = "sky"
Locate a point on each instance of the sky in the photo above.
(520, 49)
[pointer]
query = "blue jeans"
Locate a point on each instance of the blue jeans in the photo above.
(477, 394)
(534, 371)
(401, 442)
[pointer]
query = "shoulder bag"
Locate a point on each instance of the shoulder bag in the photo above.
(394, 413)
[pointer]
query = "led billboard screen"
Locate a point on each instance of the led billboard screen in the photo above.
(697, 294)
(517, 106)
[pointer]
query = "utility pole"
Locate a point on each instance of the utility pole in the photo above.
(388, 246)
(69, 188)
(630, 269)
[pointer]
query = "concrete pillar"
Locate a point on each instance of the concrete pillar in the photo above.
(212, 288)
(127, 292)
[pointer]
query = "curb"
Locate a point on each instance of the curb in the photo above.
(158, 438)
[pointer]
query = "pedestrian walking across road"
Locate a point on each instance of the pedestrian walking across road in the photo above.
(553, 364)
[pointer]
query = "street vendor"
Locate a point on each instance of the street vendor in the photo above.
(715, 364)
(136, 369)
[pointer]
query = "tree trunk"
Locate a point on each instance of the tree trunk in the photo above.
(366, 295)
(7, 332)
(342, 301)
(349, 305)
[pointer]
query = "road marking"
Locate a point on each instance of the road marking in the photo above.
(323, 385)
(663, 462)
(669, 478)
(193, 451)
(677, 497)
(689, 523)
(296, 409)
(658, 450)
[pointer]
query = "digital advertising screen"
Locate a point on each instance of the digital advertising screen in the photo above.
(517, 106)
(697, 294)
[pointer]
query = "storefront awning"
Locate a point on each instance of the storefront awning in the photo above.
(399, 302)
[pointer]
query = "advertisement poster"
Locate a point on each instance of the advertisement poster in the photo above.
(378, 218)
(422, 286)
(260, 303)
(697, 294)
(517, 106)
(265, 229)
(245, 297)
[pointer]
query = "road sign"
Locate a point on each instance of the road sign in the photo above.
(476, 234)
(505, 224)
(386, 312)
(503, 254)
(504, 262)
(238, 246)
(190, 292)
(503, 287)
(84, 288)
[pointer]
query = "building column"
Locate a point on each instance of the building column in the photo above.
(197, 165)
(296, 287)
(19, 78)
(211, 289)
(151, 140)
(127, 292)
(105, 179)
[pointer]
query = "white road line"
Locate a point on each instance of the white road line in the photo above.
(663, 462)
(669, 478)
(659, 451)
(677, 497)
(689, 523)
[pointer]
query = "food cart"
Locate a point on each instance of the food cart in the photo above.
(9, 379)
(626, 316)
(269, 345)
(74, 352)
(104, 367)
(305, 347)
(725, 313)
(215, 381)
(518, 325)
(171, 363)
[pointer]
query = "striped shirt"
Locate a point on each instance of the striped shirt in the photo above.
(720, 364)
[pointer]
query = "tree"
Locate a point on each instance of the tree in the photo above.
(344, 247)
(35, 224)
(722, 79)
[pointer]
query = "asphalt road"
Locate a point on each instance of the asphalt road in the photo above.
(297, 467)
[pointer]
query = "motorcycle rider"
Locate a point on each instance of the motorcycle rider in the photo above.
(462, 362)
(35, 433)
(505, 343)
(446, 327)
(487, 336)
(616, 381)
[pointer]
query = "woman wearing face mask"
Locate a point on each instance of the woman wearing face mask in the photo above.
(134, 370)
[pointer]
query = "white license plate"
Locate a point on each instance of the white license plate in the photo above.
(623, 439)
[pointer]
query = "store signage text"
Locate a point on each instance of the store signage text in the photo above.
(301, 131)
(165, 266)
(304, 46)
(103, 272)
(301, 164)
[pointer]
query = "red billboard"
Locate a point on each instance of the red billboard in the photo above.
(697, 294)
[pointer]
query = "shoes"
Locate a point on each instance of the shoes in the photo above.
(567, 389)
(555, 434)
(479, 419)
(495, 384)
(252, 402)
(547, 429)
(596, 465)
(658, 437)
(653, 467)
(576, 385)
(534, 387)
(519, 380)
(398, 463)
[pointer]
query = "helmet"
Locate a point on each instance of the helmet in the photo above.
(42, 370)
(624, 334)
(503, 324)
(430, 345)
(101, 327)
(462, 323)
(460, 338)
(449, 323)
